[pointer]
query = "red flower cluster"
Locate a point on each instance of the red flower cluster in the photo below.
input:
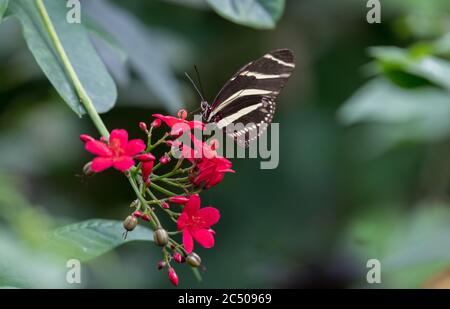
(205, 169)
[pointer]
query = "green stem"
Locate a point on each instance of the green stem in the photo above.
(168, 211)
(155, 222)
(162, 190)
(172, 183)
(79, 89)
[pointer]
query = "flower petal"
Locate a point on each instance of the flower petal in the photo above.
(134, 147)
(123, 163)
(98, 148)
(182, 221)
(169, 120)
(119, 134)
(188, 242)
(204, 237)
(195, 124)
(100, 164)
(209, 215)
(193, 205)
(147, 168)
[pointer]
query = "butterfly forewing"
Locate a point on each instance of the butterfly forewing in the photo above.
(248, 98)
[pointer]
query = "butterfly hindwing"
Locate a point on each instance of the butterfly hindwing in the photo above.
(248, 98)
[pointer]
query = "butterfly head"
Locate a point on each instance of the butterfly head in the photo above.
(204, 105)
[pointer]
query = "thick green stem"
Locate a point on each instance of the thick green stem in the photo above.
(65, 61)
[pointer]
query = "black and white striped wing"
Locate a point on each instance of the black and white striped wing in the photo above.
(248, 98)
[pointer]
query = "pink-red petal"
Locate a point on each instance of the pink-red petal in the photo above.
(98, 148)
(193, 205)
(123, 163)
(188, 242)
(204, 238)
(100, 164)
(119, 134)
(182, 221)
(209, 215)
(134, 147)
(147, 168)
(169, 120)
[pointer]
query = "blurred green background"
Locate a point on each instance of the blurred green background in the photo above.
(364, 148)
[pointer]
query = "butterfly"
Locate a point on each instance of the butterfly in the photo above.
(248, 98)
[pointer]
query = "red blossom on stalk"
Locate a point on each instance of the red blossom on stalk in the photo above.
(118, 153)
(195, 223)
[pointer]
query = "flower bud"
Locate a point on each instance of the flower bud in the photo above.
(160, 237)
(165, 205)
(177, 257)
(145, 157)
(87, 170)
(130, 223)
(156, 123)
(146, 217)
(173, 276)
(193, 259)
(86, 138)
(161, 265)
(164, 159)
(137, 214)
(182, 114)
(143, 126)
(179, 199)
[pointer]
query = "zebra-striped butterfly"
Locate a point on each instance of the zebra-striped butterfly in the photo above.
(248, 98)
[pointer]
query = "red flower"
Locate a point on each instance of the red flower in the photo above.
(195, 224)
(118, 153)
(179, 125)
(208, 172)
(209, 168)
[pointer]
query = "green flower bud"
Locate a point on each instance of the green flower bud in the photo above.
(193, 260)
(130, 223)
(160, 237)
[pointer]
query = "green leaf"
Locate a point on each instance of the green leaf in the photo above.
(259, 14)
(147, 59)
(393, 114)
(92, 238)
(3, 7)
(90, 75)
(411, 247)
(24, 267)
(417, 61)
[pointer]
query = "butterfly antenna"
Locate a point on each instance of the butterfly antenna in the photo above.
(195, 86)
(199, 79)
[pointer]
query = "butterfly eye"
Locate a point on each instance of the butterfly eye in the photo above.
(204, 105)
